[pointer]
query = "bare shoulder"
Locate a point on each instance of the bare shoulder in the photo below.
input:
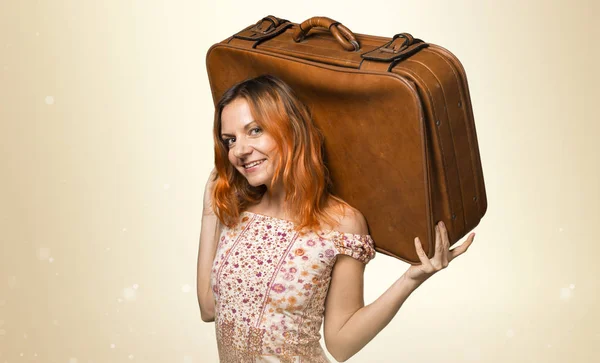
(352, 221)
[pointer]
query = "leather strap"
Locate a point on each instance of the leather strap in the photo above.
(266, 28)
(402, 45)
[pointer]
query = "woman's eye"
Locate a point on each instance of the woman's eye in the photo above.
(257, 129)
(229, 142)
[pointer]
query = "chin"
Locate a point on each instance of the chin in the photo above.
(256, 183)
(252, 181)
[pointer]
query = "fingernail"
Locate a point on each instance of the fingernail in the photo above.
(442, 224)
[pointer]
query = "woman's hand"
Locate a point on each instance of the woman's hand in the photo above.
(207, 209)
(442, 257)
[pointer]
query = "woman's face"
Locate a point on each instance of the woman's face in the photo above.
(251, 149)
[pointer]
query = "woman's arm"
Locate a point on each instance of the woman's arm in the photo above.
(209, 233)
(349, 325)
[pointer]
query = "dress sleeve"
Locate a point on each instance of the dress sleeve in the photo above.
(358, 246)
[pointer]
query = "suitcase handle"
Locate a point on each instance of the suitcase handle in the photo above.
(342, 34)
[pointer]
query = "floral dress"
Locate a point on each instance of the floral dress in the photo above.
(270, 284)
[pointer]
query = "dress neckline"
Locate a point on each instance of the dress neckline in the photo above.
(293, 223)
(270, 217)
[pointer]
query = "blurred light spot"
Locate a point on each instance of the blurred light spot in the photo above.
(124, 229)
(51, 259)
(166, 186)
(21, 354)
(12, 282)
(187, 359)
(129, 293)
(37, 34)
(186, 288)
(25, 335)
(43, 253)
(549, 345)
(113, 346)
(49, 100)
(510, 333)
(565, 293)
(108, 248)
(572, 286)
(55, 322)
(119, 300)
(560, 229)
(131, 356)
(135, 286)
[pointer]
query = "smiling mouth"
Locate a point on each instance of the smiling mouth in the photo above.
(254, 164)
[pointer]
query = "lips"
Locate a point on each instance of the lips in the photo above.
(253, 164)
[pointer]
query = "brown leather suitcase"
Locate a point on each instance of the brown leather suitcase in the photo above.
(400, 139)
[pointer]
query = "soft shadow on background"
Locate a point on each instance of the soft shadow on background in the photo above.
(105, 146)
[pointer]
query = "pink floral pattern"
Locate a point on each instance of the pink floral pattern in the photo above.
(270, 284)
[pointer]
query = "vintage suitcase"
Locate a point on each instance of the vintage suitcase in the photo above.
(400, 138)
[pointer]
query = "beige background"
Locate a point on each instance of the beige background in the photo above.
(105, 146)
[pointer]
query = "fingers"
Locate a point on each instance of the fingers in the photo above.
(438, 245)
(422, 256)
(440, 259)
(430, 265)
(445, 244)
(443, 255)
(455, 252)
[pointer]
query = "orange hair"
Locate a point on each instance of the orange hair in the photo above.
(305, 178)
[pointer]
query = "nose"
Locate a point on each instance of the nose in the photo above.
(241, 148)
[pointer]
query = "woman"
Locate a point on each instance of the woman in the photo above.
(278, 252)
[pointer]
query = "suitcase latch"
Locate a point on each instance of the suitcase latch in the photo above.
(399, 43)
(401, 46)
(266, 28)
(267, 24)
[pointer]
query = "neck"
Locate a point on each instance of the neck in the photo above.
(273, 202)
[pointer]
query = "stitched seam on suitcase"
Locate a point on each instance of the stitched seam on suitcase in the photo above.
(451, 138)
(459, 84)
(323, 65)
(467, 126)
(293, 53)
(433, 111)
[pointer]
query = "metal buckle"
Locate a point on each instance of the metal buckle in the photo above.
(391, 46)
(271, 26)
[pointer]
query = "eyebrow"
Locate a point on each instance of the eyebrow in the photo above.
(248, 125)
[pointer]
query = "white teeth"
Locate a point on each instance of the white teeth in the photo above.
(253, 164)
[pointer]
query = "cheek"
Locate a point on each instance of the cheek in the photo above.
(270, 147)
(231, 157)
